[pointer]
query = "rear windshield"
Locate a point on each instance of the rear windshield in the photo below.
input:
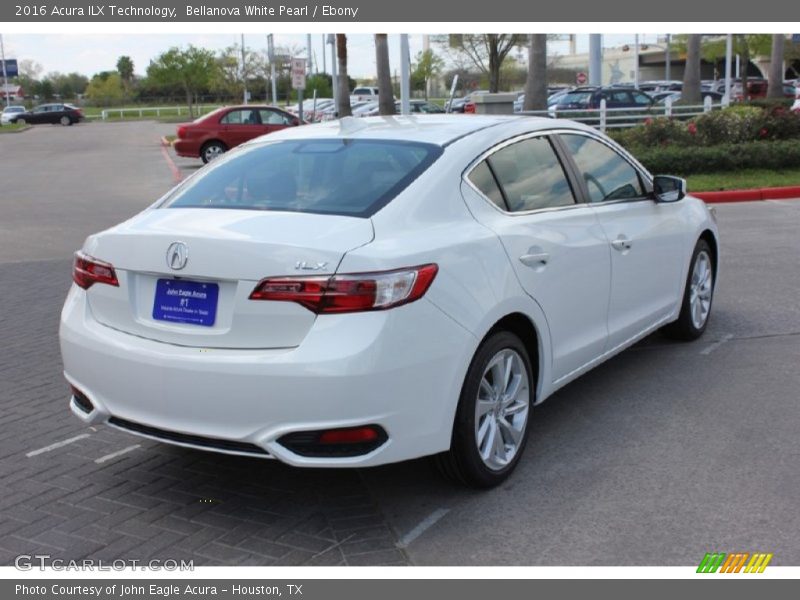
(340, 177)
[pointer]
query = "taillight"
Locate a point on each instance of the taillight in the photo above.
(349, 293)
(87, 270)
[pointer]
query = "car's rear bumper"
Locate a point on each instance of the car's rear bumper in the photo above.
(400, 369)
(187, 148)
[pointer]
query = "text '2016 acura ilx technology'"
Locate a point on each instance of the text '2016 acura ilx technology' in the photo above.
(369, 291)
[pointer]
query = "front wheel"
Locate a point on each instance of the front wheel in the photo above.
(697, 298)
(491, 424)
(21, 122)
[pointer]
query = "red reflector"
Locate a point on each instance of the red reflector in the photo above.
(349, 293)
(355, 435)
(87, 270)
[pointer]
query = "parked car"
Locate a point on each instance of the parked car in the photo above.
(796, 105)
(65, 114)
(357, 293)
(312, 109)
(661, 97)
(756, 88)
(615, 97)
(553, 92)
(656, 86)
(213, 134)
(9, 111)
(364, 93)
(467, 103)
(416, 106)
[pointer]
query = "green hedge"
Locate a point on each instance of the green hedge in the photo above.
(687, 160)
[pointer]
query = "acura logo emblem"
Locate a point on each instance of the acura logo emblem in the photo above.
(177, 255)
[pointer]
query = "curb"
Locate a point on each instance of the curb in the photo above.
(165, 141)
(753, 195)
(20, 130)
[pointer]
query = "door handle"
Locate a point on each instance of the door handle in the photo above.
(621, 243)
(534, 260)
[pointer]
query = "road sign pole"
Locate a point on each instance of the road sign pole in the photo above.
(5, 75)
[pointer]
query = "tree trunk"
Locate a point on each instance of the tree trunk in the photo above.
(189, 98)
(343, 83)
(536, 84)
(691, 93)
(385, 92)
(494, 65)
(775, 87)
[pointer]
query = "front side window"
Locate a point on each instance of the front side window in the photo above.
(241, 117)
(328, 176)
(607, 174)
(529, 176)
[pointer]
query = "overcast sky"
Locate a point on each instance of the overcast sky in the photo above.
(89, 53)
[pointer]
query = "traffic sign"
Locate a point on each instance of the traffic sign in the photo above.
(581, 78)
(11, 68)
(299, 73)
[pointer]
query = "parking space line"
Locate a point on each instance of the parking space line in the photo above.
(422, 527)
(107, 457)
(708, 350)
(177, 176)
(57, 445)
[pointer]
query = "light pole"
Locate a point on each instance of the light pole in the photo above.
(667, 58)
(595, 59)
(271, 56)
(5, 75)
(334, 77)
(405, 75)
(244, 74)
(636, 62)
(728, 59)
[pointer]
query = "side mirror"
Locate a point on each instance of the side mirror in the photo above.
(667, 188)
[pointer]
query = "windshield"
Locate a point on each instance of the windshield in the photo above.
(339, 176)
(575, 98)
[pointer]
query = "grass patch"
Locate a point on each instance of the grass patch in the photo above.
(170, 138)
(743, 179)
(13, 127)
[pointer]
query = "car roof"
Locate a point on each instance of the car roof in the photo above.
(435, 129)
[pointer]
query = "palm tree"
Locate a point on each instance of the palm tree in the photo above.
(536, 84)
(775, 84)
(385, 91)
(691, 92)
(343, 83)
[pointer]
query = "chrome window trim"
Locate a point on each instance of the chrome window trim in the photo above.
(508, 142)
(637, 166)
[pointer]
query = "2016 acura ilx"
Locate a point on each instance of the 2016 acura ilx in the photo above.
(373, 290)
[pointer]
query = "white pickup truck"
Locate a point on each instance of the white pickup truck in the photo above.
(363, 93)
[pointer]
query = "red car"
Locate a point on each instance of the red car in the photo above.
(227, 127)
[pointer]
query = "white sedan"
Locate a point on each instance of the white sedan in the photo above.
(374, 290)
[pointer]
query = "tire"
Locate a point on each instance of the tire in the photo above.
(65, 121)
(212, 150)
(698, 296)
(472, 459)
(21, 122)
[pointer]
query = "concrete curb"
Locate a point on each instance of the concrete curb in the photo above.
(753, 195)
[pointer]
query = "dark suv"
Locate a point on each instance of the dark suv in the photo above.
(584, 98)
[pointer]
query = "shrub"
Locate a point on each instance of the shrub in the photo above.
(733, 125)
(661, 131)
(677, 160)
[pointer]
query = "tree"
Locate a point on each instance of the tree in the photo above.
(385, 91)
(67, 86)
(125, 68)
(105, 89)
(536, 84)
(487, 51)
(691, 92)
(775, 78)
(428, 65)
(343, 81)
(191, 69)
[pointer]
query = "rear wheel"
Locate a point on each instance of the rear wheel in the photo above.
(491, 424)
(212, 150)
(697, 298)
(65, 120)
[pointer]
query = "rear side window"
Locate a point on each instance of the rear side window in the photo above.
(607, 174)
(241, 117)
(530, 176)
(483, 179)
(342, 177)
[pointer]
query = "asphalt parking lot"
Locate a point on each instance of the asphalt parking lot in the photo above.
(664, 453)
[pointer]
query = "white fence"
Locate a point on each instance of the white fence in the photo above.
(604, 118)
(155, 111)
